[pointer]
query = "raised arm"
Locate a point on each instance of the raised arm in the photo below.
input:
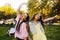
(51, 18)
(18, 10)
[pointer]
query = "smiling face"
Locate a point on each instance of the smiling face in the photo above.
(37, 16)
(24, 16)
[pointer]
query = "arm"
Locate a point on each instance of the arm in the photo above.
(51, 18)
(18, 13)
(18, 10)
(25, 38)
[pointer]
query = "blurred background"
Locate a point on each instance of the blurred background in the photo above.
(48, 8)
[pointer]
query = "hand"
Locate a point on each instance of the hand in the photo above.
(20, 7)
(55, 16)
(23, 3)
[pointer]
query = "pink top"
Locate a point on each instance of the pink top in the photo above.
(23, 31)
(18, 17)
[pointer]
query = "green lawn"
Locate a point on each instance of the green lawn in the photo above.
(3, 32)
(52, 32)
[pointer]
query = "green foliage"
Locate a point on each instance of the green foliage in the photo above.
(56, 8)
(35, 6)
(46, 7)
(32, 7)
(2, 16)
(7, 12)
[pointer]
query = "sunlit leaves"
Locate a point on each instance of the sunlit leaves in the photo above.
(7, 11)
(58, 17)
(44, 6)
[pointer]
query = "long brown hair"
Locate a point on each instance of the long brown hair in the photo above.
(40, 19)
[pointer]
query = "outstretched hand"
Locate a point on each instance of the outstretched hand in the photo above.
(55, 16)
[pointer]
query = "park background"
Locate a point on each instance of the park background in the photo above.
(48, 8)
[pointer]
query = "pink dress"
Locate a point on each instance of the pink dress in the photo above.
(23, 31)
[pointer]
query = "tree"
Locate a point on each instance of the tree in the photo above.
(46, 7)
(7, 11)
(32, 5)
(36, 6)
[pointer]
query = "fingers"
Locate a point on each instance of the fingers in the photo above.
(23, 3)
(56, 15)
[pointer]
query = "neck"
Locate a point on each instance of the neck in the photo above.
(35, 21)
(21, 20)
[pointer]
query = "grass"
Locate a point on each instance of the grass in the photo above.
(3, 32)
(52, 32)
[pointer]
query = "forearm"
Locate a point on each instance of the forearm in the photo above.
(51, 18)
(19, 8)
